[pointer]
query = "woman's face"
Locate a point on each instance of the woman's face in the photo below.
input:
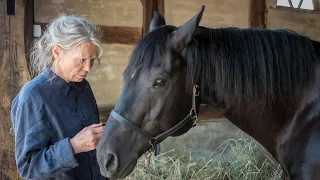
(74, 65)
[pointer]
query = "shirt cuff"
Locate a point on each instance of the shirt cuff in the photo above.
(67, 158)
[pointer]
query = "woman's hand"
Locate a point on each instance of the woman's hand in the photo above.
(87, 139)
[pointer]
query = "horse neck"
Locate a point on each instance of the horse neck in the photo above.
(263, 124)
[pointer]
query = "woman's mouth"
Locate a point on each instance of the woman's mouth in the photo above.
(82, 76)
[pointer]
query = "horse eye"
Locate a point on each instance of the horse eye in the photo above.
(160, 82)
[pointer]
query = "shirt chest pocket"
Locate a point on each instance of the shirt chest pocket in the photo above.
(65, 123)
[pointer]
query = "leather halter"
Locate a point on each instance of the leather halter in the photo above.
(155, 140)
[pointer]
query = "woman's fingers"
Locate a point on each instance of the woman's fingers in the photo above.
(87, 138)
(95, 125)
(98, 130)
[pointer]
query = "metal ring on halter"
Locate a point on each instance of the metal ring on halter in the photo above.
(194, 117)
(196, 91)
(152, 145)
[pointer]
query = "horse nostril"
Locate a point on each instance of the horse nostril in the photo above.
(111, 163)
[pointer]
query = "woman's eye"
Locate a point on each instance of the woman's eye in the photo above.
(81, 61)
(160, 82)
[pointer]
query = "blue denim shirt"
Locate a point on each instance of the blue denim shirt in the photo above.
(46, 113)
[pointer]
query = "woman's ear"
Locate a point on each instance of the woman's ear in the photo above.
(56, 52)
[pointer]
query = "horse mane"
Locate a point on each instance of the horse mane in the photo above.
(252, 65)
(235, 65)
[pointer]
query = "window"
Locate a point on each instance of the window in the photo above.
(299, 4)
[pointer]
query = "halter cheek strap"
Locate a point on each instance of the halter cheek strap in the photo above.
(155, 140)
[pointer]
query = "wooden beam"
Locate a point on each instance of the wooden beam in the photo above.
(121, 35)
(28, 29)
(115, 34)
(257, 14)
(206, 113)
(104, 112)
(209, 113)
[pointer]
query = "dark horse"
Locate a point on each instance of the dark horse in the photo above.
(265, 82)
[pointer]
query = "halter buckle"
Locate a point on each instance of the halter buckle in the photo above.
(194, 117)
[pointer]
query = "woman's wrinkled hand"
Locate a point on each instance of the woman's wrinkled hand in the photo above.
(87, 139)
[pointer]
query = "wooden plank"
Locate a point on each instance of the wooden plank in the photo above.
(206, 113)
(209, 113)
(257, 14)
(114, 34)
(13, 74)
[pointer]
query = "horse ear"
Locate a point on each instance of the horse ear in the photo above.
(183, 35)
(157, 20)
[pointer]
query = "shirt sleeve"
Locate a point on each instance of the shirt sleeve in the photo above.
(35, 157)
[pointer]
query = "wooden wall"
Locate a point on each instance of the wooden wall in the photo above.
(14, 30)
(306, 22)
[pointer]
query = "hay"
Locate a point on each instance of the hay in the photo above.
(236, 159)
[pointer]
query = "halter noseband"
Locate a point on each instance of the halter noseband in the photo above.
(155, 140)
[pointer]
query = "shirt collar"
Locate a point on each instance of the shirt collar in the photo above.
(61, 83)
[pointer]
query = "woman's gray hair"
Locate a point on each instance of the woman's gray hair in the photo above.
(67, 32)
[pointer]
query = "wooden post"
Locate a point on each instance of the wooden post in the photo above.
(148, 7)
(257, 14)
(14, 74)
(28, 29)
(160, 7)
(316, 5)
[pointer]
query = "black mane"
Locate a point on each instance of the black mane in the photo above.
(252, 65)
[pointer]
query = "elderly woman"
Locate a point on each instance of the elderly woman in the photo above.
(55, 115)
